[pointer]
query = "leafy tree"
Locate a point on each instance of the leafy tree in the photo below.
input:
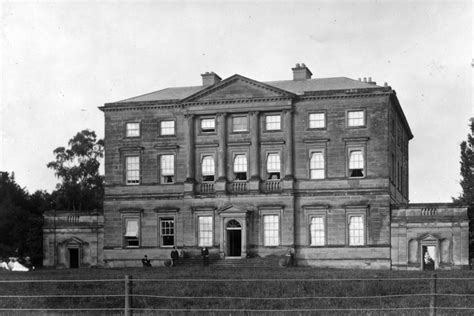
(81, 187)
(21, 220)
(467, 183)
(467, 168)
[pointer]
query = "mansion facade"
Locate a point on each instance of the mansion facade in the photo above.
(249, 168)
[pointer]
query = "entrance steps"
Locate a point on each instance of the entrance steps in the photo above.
(247, 262)
(256, 262)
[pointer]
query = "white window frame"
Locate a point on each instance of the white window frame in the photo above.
(132, 132)
(205, 172)
(271, 233)
(273, 125)
(360, 239)
(205, 237)
(167, 130)
(317, 166)
(208, 129)
(126, 234)
(240, 168)
(351, 150)
(162, 219)
(167, 172)
(236, 127)
(356, 121)
(132, 176)
(314, 123)
(270, 169)
(315, 238)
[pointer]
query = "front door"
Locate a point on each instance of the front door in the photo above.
(73, 258)
(234, 239)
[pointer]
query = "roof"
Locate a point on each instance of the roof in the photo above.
(298, 87)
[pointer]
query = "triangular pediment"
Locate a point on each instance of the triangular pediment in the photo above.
(429, 237)
(238, 87)
(231, 209)
(73, 241)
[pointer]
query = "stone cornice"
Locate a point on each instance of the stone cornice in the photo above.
(174, 104)
(239, 101)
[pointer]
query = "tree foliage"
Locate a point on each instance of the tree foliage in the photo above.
(77, 166)
(467, 169)
(21, 221)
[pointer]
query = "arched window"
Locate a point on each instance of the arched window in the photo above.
(233, 224)
(240, 167)
(207, 168)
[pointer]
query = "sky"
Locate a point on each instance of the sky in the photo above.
(60, 61)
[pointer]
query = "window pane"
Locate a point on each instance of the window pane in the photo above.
(167, 127)
(133, 129)
(132, 165)
(272, 122)
(317, 120)
(208, 166)
(356, 230)
(167, 165)
(239, 124)
(167, 231)
(317, 231)
(131, 228)
(316, 165)
(355, 118)
(270, 230)
(208, 125)
(240, 163)
(356, 160)
(273, 163)
(131, 235)
(205, 231)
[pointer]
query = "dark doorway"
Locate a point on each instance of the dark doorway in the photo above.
(73, 258)
(234, 238)
(428, 258)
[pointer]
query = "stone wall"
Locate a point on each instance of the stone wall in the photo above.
(442, 226)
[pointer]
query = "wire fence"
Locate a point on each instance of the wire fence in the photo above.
(413, 296)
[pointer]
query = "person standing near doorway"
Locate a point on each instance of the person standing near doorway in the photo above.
(205, 256)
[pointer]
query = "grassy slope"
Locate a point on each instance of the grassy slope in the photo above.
(150, 282)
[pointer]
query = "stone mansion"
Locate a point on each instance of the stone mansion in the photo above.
(249, 168)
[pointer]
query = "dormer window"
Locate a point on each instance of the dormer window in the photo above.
(208, 125)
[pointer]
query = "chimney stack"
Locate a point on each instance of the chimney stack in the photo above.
(301, 72)
(210, 78)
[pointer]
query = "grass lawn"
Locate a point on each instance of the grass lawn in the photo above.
(211, 290)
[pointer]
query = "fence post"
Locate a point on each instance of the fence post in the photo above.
(433, 296)
(128, 295)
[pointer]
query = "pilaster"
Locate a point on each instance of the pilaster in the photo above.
(190, 168)
(221, 182)
(254, 182)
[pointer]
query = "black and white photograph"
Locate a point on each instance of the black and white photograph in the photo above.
(204, 157)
